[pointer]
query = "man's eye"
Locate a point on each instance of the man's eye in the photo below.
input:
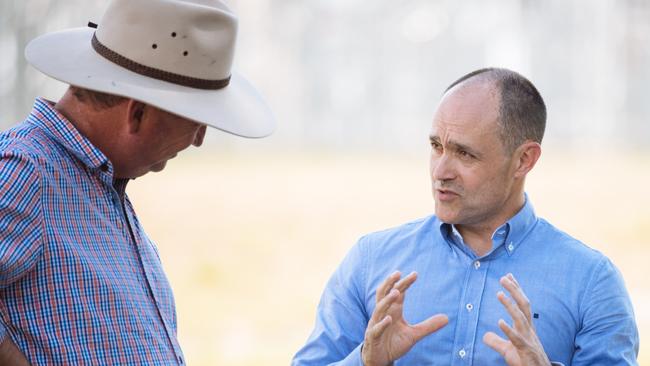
(464, 154)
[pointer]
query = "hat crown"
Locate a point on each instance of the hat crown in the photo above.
(190, 38)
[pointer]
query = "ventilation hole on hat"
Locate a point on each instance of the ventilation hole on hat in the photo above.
(173, 34)
(154, 46)
(185, 53)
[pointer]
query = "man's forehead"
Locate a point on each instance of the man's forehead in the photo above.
(473, 105)
(450, 132)
(472, 92)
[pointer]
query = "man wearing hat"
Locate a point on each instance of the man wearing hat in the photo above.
(80, 281)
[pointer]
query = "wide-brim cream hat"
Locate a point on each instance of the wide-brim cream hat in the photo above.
(174, 55)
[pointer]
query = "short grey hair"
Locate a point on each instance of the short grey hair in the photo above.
(522, 112)
(97, 99)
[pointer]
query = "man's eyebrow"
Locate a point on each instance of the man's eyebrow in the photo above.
(455, 145)
(459, 146)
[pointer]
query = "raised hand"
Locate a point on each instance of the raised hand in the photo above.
(388, 336)
(522, 348)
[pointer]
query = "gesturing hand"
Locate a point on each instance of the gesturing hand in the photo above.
(523, 347)
(388, 335)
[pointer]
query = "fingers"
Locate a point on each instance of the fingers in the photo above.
(393, 293)
(387, 285)
(429, 326)
(516, 292)
(406, 282)
(516, 314)
(519, 335)
(378, 329)
(383, 305)
(512, 334)
(495, 342)
(393, 281)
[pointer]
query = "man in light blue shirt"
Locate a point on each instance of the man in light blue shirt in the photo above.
(484, 281)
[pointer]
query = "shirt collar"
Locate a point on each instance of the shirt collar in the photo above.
(519, 226)
(511, 233)
(64, 132)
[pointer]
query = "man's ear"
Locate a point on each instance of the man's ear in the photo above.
(134, 114)
(527, 155)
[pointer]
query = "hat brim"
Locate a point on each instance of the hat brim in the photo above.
(68, 56)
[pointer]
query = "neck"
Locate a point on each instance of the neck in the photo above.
(479, 236)
(95, 125)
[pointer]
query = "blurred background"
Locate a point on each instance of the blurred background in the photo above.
(250, 230)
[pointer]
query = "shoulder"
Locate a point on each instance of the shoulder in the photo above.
(21, 160)
(560, 244)
(405, 230)
(559, 256)
(26, 140)
(405, 237)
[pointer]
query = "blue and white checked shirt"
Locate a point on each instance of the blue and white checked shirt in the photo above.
(80, 282)
(584, 315)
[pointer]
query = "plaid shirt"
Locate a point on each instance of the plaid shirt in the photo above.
(80, 282)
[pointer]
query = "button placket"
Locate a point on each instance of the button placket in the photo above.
(130, 220)
(468, 316)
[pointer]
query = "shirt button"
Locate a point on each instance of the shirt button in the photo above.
(462, 353)
(477, 264)
(511, 247)
(469, 307)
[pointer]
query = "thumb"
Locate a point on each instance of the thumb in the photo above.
(496, 343)
(429, 326)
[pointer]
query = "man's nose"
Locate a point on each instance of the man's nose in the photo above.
(198, 138)
(442, 168)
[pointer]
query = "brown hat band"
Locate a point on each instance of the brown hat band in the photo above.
(151, 72)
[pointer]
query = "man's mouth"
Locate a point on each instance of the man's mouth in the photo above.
(446, 194)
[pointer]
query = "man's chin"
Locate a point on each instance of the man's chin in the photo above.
(445, 214)
(447, 219)
(158, 167)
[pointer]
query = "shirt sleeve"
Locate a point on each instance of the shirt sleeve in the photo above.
(20, 220)
(608, 335)
(341, 317)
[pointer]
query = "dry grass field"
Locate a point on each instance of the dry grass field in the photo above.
(248, 242)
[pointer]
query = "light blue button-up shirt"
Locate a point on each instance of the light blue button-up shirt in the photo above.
(582, 312)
